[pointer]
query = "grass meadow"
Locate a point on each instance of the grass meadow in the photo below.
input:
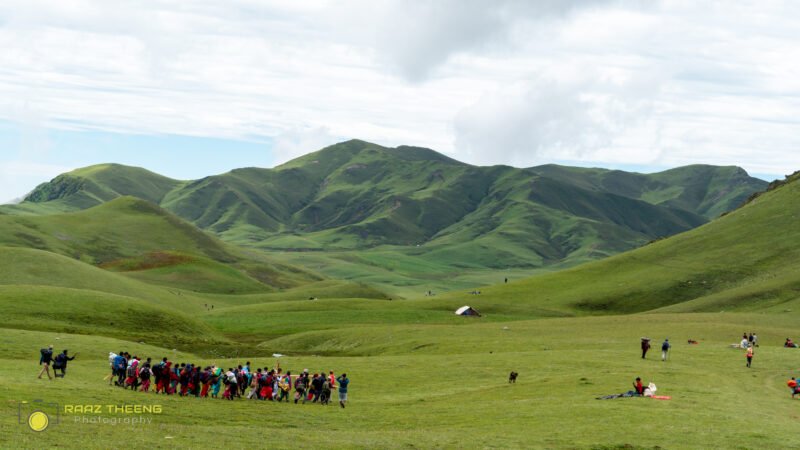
(445, 386)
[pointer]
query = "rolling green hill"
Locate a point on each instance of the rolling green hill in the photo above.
(411, 202)
(743, 261)
(131, 235)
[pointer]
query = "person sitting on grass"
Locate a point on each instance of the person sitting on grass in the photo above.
(789, 343)
(638, 386)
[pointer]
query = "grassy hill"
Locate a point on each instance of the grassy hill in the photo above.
(741, 261)
(407, 208)
(136, 236)
(421, 376)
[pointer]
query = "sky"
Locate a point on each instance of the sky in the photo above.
(195, 88)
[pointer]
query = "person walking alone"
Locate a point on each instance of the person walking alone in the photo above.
(665, 349)
(645, 346)
(749, 356)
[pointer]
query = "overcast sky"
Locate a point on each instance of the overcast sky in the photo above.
(193, 88)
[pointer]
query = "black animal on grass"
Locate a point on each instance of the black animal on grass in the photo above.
(512, 377)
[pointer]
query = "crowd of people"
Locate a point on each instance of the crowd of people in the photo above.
(187, 379)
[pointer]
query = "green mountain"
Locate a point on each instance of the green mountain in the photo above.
(357, 195)
(743, 261)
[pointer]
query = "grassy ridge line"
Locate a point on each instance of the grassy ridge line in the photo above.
(357, 195)
(744, 253)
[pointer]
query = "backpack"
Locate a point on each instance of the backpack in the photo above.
(131, 371)
(665, 346)
(44, 352)
(60, 359)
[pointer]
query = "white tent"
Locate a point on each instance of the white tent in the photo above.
(467, 311)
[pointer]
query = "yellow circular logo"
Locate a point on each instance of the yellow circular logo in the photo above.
(38, 421)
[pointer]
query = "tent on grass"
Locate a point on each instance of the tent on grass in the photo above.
(467, 311)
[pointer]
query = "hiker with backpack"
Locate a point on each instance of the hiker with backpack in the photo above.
(205, 380)
(300, 385)
(158, 375)
(45, 360)
(144, 375)
(132, 375)
(183, 378)
(325, 394)
(120, 365)
(232, 384)
(665, 349)
(61, 363)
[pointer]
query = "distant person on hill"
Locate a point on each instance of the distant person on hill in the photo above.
(45, 360)
(665, 349)
(749, 356)
(745, 343)
(750, 339)
(344, 382)
(755, 340)
(61, 363)
(645, 346)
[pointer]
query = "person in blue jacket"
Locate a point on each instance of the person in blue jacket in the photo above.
(343, 382)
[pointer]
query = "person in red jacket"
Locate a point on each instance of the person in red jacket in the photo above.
(638, 386)
(793, 386)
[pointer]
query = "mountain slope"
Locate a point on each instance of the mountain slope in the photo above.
(742, 261)
(702, 189)
(357, 195)
(132, 235)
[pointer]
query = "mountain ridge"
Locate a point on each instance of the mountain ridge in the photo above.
(358, 195)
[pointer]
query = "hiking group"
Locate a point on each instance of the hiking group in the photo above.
(59, 362)
(191, 380)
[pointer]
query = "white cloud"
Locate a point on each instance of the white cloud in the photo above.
(519, 82)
